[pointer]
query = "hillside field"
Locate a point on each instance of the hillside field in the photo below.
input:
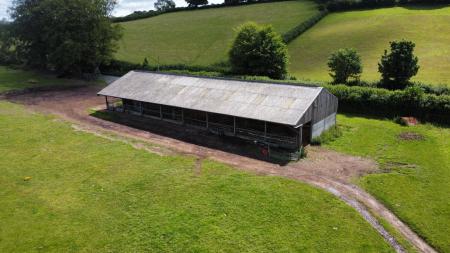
(369, 31)
(203, 37)
(66, 190)
(416, 182)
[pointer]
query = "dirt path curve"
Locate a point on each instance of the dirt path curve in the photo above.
(323, 168)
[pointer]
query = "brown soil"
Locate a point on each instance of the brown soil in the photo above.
(323, 168)
(410, 136)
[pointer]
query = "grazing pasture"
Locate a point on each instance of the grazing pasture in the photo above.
(203, 37)
(369, 32)
(415, 184)
(71, 191)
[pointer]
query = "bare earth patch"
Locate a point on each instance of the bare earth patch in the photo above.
(323, 168)
(410, 136)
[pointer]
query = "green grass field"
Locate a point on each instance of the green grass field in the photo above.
(90, 194)
(370, 31)
(17, 79)
(416, 185)
(203, 37)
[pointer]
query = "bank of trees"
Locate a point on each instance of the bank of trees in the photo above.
(69, 37)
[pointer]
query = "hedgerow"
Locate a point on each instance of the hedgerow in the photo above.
(301, 28)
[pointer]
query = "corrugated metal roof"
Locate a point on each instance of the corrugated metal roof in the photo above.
(272, 102)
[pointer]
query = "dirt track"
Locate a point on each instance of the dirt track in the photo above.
(323, 168)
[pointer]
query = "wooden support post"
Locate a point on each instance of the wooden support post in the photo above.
(299, 137)
(182, 116)
(265, 129)
(141, 109)
(106, 100)
(160, 112)
(207, 122)
(234, 125)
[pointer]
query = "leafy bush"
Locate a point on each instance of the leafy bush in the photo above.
(399, 65)
(327, 136)
(259, 50)
(387, 103)
(344, 64)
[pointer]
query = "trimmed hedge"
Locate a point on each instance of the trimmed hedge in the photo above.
(301, 28)
(342, 5)
(119, 68)
(386, 103)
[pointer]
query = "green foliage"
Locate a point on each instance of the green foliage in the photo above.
(399, 65)
(7, 52)
(259, 50)
(387, 103)
(164, 5)
(93, 194)
(415, 174)
(145, 64)
(344, 64)
(195, 3)
(327, 136)
(303, 27)
(71, 37)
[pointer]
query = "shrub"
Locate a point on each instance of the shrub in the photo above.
(399, 65)
(259, 50)
(344, 64)
(195, 3)
(327, 136)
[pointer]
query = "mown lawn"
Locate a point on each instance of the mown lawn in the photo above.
(90, 194)
(203, 37)
(416, 185)
(17, 79)
(369, 31)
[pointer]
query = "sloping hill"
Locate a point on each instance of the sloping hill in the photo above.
(202, 37)
(370, 32)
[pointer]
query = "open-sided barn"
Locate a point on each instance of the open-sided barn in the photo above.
(274, 115)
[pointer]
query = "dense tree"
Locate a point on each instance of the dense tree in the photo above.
(344, 64)
(232, 2)
(69, 36)
(163, 5)
(398, 66)
(259, 50)
(7, 54)
(196, 3)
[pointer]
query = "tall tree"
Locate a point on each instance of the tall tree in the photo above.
(398, 66)
(163, 5)
(196, 3)
(344, 64)
(259, 50)
(69, 36)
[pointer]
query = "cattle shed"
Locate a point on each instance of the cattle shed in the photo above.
(277, 116)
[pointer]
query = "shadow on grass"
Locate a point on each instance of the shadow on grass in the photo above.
(200, 137)
(425, 6)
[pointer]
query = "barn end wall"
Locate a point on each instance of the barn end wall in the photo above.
(323, 125)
